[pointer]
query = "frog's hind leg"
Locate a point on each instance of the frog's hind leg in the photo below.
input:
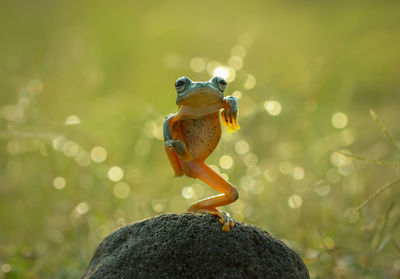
(208, 205)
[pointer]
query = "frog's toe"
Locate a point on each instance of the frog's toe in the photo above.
(225, 219)
(224, 117)
(229, 119)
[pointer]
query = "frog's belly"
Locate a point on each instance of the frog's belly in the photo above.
(201, 135)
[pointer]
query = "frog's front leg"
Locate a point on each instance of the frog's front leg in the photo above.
(208, 205)
(229, 113)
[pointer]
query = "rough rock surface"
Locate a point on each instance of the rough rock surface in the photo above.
(192, 246)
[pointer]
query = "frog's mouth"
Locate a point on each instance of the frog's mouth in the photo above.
(202, 96)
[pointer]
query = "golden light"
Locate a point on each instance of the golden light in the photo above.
(250, 159)
(235, 62)
(98, 154)
(72, 120)
(226, 162)
(59, 182)
(83, 158)
(197, 64)
(187, 192)
(158, 205)
(121, 190)
(295, 201)
(70, 148)
(58, 142)
(237, 94)
(211, 66)
(238, 50)
(298, 173)
(338, 159)
(339, 120)
(115, 173)
(273, 107)
(6, 268)
(225, 72)
(323, 191)
(242, 147)
(82, 208)
(250, 82)
(270, 175)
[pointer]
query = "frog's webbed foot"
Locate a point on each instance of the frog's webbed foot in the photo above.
(179, 148)
(229, 114)
(225, 218)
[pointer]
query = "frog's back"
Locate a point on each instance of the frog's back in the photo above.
(201, 135)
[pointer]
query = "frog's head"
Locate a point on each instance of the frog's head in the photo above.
(201, 93)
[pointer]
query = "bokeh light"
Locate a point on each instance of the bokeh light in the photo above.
(213, 65)
(250, 159)
(58, 142)
(59, 182)
(237, 94)
(6, 267)
(115, 173)
(70, 148)
(241, 147)
(273, 107)
(323, 191)
(295, 201)
(98, 154)
(158, 205)
(235, 62)
(72, 120)
(250, 82)
(226, 162)
(197, 64)
(298, 173)
(225, 72)
(339, 120)
(121, 190)
(239, 51)
(82, 208)
(187, 192)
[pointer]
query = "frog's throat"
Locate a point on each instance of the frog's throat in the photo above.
(189, 112)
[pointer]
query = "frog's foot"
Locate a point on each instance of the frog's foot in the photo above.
(229, 114)
(225, 218)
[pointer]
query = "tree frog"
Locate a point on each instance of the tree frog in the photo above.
(191, 135)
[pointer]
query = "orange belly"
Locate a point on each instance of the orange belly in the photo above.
(201, 135)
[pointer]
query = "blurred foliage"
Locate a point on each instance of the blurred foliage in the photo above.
(85, 86)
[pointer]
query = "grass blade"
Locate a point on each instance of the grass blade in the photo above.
(376, 162)
(377, 193)
(383, 128)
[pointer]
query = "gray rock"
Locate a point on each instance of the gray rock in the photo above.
(192, 246)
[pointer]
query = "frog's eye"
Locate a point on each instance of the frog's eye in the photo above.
(220, 82)
(181, 84)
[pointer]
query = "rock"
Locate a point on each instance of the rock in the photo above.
(192, 246)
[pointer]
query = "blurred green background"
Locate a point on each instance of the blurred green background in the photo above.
(84, 88)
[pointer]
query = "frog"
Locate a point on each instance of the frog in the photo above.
(192, 134)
